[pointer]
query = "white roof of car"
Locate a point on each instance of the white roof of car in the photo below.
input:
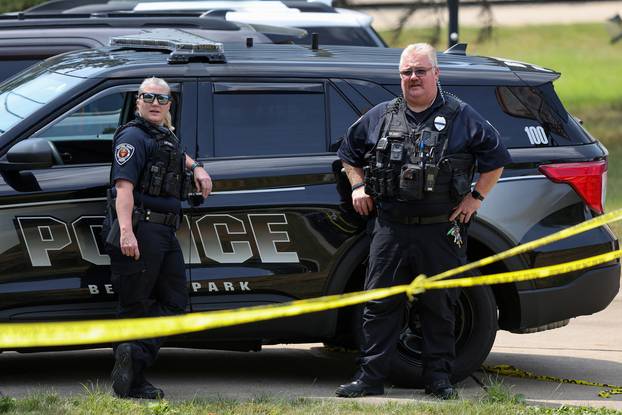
(266, 12)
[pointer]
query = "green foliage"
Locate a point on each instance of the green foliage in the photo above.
(17, 5)
(496, 392)
(7, 404)
(498, 401)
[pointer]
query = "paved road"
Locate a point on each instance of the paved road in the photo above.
(590, 348)
(504, 15)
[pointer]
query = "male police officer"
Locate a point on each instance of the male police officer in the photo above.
(150, 174)
(412, 159)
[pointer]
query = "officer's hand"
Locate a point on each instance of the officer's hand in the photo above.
(466, 209)
(129, 245)
(202, 181)
(362, 202)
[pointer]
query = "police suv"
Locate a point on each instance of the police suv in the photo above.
(266, 120)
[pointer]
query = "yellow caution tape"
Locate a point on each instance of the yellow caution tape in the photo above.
(104, 331)
(520, 249)
(508, 370)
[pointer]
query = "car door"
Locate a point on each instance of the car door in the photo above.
(272, 229)
(52, 263)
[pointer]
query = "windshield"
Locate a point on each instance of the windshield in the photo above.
(22, 96)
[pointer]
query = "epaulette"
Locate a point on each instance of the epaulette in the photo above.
(394, 106)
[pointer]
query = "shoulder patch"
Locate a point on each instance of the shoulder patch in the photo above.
(123, 152)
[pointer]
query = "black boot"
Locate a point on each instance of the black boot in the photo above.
(442, 389)
(146, 390)
(358, 388)
(123, 371)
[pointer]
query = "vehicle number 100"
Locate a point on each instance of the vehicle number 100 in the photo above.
(536, 135)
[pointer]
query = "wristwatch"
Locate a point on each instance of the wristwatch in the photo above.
(195, 164)
(477, 195)
(357, 185)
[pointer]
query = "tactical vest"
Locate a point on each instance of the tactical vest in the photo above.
(165, 173)
(409, 164)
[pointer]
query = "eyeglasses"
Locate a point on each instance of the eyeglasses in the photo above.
(149, 97)
(419, 72)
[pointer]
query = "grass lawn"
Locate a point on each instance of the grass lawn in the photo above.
(497, 403)
(590, 85)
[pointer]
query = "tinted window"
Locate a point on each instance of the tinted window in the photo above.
(85, 135)
(374, 93)
(524, 116)
(338, 35)
(342, 115)
(270, 119)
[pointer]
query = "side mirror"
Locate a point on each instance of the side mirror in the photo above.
(31, 154)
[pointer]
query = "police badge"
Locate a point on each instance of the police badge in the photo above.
(123, 152)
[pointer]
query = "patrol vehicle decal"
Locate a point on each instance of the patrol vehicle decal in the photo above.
(195, 286)
(224, 238)
(536, 135)
(123, 152)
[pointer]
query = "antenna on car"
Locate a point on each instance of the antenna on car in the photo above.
(457, 49)
(315, 41)
(184, 46)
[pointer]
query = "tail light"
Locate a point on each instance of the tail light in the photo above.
(588, 179)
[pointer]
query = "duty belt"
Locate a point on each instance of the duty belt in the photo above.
(147, 215)
(412, 220)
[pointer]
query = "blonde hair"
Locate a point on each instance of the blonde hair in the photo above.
(426, 48)
(168, 119)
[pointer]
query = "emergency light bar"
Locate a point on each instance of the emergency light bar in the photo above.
(184, 46)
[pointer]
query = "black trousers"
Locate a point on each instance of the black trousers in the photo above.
(155, 285)
(398, 253)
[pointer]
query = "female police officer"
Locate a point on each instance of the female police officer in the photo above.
(148, 177)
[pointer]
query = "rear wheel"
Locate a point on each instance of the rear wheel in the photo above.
(476, 329)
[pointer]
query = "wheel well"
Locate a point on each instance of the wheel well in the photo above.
(506, 295)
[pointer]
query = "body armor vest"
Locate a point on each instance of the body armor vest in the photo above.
(165, 173)
(409, 164)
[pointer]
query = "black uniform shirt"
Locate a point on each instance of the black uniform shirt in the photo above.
(132, 149)
(471, 133)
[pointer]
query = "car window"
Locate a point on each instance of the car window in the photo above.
(85, 135)
(22, 96)
(525, 116)
(255, 119)
(338, 35)
(342, 115)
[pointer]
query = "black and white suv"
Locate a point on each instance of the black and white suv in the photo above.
(266, 121)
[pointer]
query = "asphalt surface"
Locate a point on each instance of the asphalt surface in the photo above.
(590, 348)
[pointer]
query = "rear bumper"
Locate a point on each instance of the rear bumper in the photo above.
(588, 294)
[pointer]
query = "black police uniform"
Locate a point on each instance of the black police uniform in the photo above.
(155, 284)
(415, 237)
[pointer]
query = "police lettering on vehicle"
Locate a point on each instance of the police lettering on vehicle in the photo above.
(226, 239)
(195, 286)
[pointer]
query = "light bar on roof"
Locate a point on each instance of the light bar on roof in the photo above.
(184, 46)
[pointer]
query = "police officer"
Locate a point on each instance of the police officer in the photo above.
(149, 176)
(410, 163)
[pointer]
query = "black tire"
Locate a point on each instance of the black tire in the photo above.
(476, 329)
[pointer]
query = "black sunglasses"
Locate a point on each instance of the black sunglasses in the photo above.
(149, 97)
